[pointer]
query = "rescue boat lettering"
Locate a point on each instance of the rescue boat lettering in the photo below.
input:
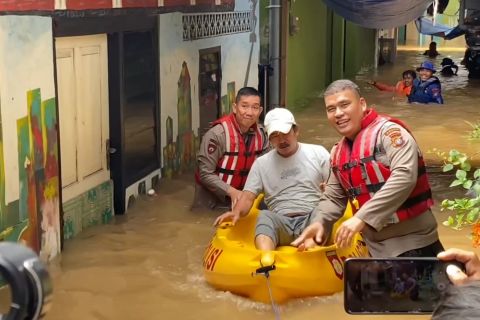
(211, 257)
(359, 251)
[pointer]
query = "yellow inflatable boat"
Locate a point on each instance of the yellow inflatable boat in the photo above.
(232, 263)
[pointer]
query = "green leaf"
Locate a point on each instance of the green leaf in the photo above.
(468, 184)
(476, 188)
(447, 167)
(466, 166)
(453, 153)
(461, 174)
(446, 223)
(476, 174)
(450, 220)
(456, 183)
(473, 215)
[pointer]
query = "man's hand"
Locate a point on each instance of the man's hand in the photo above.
(471, 261)
(227, 216)
(234, 195)
(310, 237)
(347, 231)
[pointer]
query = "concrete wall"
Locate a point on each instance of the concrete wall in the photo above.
(179, 69)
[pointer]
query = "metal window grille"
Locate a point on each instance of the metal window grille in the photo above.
(207, 25)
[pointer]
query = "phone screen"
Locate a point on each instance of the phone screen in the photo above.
(397, 285)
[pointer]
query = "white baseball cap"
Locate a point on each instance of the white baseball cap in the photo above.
(279, 119)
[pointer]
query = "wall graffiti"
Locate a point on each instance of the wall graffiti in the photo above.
(34, 218)
(179, 156)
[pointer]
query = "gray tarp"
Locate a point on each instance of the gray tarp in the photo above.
(379, 14)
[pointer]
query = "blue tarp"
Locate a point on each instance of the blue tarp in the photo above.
(379, 14)
(426, 26)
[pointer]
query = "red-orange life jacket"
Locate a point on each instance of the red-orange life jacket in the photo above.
(362, 176)
(233, 167)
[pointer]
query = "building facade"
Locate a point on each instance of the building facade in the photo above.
(101, 99)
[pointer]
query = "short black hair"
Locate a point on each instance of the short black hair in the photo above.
(409, 72)
(341, 85)
(247, 91)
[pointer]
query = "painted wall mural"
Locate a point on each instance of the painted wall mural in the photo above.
(229, 99)
(29, 181)
(179, 156)
(34, 218)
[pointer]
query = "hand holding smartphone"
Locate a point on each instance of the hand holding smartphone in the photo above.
(395, 285)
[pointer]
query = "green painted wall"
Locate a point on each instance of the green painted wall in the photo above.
(338, 47)
(325, 48)
(307, 52)
(359, 48)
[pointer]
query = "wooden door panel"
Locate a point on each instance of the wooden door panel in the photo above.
(82, 66)
(67, 114)
(91, 155)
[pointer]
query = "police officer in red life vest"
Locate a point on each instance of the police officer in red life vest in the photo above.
(227, 152)
(378, 167)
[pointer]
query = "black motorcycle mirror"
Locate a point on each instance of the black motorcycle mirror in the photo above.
(25, 285)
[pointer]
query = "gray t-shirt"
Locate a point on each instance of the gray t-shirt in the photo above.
(290, 185)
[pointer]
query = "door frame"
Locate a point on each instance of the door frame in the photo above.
(218, 51)
(117, 130)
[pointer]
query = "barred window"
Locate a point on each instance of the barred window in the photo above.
(207, 25)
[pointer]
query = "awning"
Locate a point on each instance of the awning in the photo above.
(379, 14)
(426, 26)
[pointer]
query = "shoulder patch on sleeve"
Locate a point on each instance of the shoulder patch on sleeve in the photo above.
(396, 138)
(212, 147)
(392, 131)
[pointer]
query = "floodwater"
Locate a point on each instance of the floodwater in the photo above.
(147, 265)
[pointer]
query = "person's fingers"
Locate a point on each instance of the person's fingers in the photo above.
(456, 254)
(217, 221)
(349, 239)
(456, 275)
(301, 247)
(309, 243)
(339, 237)
(235, 219)
(299, 241)
(319, 237)
(343, 237)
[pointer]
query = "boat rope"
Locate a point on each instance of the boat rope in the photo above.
(275, 308)
(266, 272)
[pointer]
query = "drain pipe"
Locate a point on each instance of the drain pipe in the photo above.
(275, 9)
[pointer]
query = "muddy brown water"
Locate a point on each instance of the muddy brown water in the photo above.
(147, 264)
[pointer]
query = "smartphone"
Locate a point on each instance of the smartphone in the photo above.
(394, 285)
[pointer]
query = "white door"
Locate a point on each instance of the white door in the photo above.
(82, 74)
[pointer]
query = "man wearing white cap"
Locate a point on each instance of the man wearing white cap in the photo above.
(290, 176)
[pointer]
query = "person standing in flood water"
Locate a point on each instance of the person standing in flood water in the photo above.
(427, 87)
(227, 152)
(432, 50)
(378, 167)
(402, 88)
